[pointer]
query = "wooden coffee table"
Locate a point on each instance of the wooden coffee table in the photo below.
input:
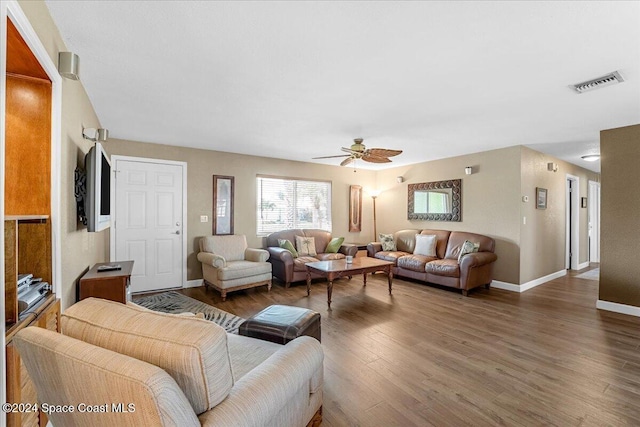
(339, 268)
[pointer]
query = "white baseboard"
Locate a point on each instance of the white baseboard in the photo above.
(583, 265)
(526, 286)
(505, 286)
(193, 283)
(631, 310)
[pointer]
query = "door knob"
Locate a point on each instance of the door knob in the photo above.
(176, 232)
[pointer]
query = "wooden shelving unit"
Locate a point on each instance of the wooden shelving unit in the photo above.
(27, 241)
(27, 215)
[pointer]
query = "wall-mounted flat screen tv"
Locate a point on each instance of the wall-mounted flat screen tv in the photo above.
(97, 202)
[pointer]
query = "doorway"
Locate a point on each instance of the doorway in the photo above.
(572, 222)
(594, 221)
(149, 202)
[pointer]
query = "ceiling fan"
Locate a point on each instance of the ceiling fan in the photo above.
(358, 151)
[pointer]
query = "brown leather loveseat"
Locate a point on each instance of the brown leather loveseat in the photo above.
(445, 267)
(288, 268)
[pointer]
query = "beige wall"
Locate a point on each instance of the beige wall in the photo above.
(620, 232)
(542, 238)
(79, 248)
(203, 164)
(490, 201)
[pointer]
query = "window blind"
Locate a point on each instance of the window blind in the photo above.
(285, 203)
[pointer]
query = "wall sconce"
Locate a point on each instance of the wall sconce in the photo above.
(68, 64)
(468, 170)
(552, 167)
(93, 134)
(400, 179)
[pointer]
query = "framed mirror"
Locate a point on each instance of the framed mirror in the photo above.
(222, 204)
(435, 201)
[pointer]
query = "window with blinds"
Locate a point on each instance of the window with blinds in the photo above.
(285, 203)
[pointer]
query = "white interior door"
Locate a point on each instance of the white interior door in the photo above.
(149, 217)
(594, 221)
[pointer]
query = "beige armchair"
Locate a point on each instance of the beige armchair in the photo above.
(229, 265)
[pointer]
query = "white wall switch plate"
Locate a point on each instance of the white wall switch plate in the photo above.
(204, 218)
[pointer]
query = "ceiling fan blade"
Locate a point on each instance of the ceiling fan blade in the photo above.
(345, 162)
(331, 157)
(383, 152)
(376, 159)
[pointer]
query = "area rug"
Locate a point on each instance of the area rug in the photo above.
(590, 275)
(175, 302)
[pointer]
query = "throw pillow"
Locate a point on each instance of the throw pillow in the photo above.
(388, 244)
(425, 244)
(468, 248)
(334, 245)
(286, 244)
(306, 246)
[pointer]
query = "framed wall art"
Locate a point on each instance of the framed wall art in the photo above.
(222, 204)
(541, 198)
(355, 208)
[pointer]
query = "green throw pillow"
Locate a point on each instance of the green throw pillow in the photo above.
(387, 242)
(468, 248)
(334, 245)
(286, 244)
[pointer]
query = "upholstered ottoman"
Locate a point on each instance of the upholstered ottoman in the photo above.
(281, 324)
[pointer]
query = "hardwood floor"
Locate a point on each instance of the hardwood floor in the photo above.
(427, 356)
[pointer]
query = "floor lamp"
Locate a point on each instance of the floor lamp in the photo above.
(374, 196)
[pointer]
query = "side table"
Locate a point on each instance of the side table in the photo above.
(112, 285)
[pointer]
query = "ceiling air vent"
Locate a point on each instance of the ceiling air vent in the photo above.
(608, 80)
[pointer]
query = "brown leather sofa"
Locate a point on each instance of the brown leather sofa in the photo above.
(288, 269)
(474, 270)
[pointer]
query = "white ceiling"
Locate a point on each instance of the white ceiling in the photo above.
(296, 80)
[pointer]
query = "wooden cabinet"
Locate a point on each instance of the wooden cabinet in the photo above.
(27, 170)
(27, 249)
(20, 388)
(112, 285)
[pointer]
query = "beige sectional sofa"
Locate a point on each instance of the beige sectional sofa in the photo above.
(443, 267)
(173, 370)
